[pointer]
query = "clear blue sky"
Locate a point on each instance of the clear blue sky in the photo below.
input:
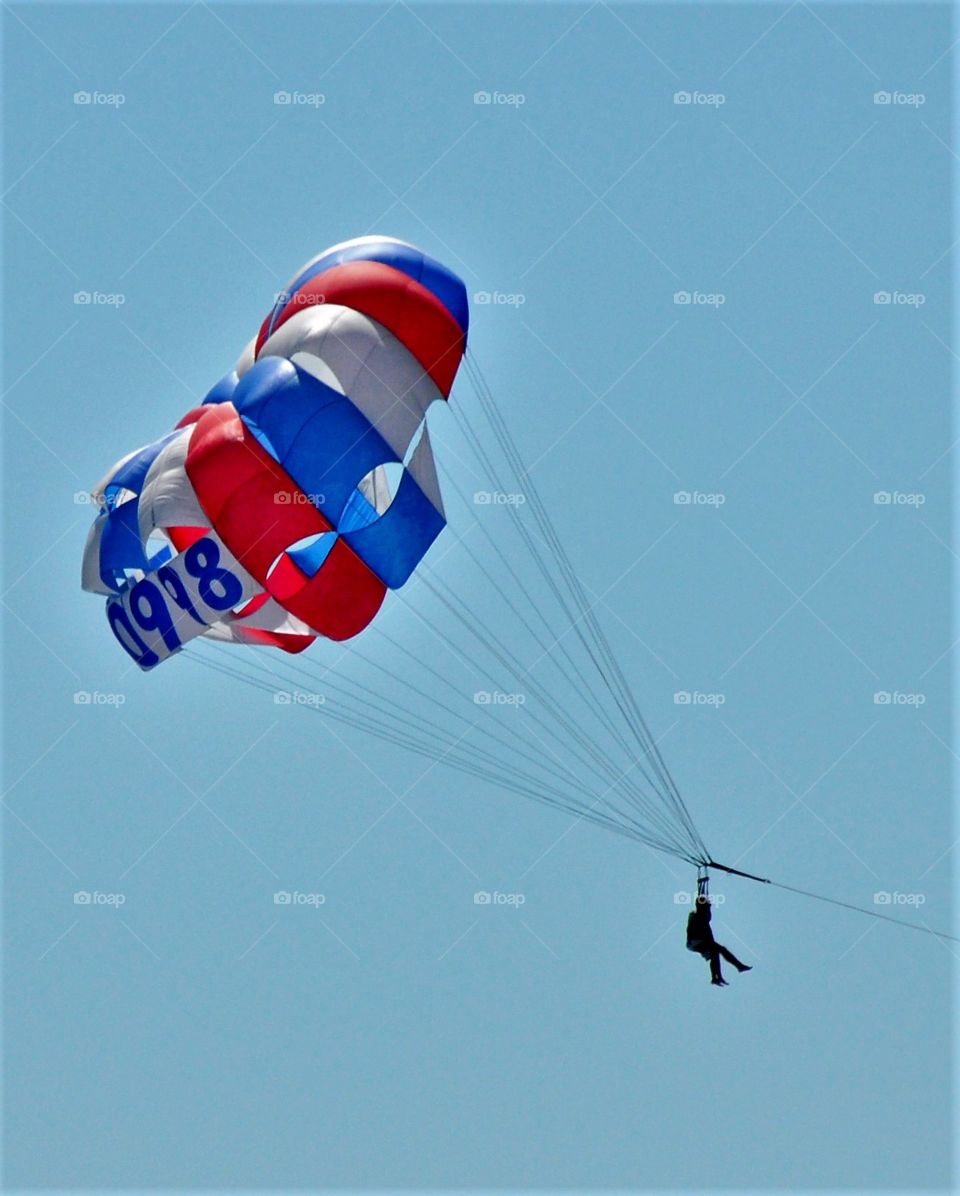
(201, 1037)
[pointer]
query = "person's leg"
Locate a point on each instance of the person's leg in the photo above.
(716, 976)
(731, 958)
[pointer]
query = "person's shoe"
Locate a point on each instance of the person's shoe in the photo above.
(720, 983)
(745, 967)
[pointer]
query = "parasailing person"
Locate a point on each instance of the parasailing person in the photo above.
(700, 936)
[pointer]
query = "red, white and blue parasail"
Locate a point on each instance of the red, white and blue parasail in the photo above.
(304, 486)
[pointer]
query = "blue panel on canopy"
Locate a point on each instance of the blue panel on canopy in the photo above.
(359, 512)
(120, 545)
(332, 453)
(325, 443)
(327, 446)
(276, 399)
(309, 557)
(395, 543)
(222, 392)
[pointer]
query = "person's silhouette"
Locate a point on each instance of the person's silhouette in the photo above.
(700, 937)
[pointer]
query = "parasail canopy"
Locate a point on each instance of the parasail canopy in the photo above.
(283, 508)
